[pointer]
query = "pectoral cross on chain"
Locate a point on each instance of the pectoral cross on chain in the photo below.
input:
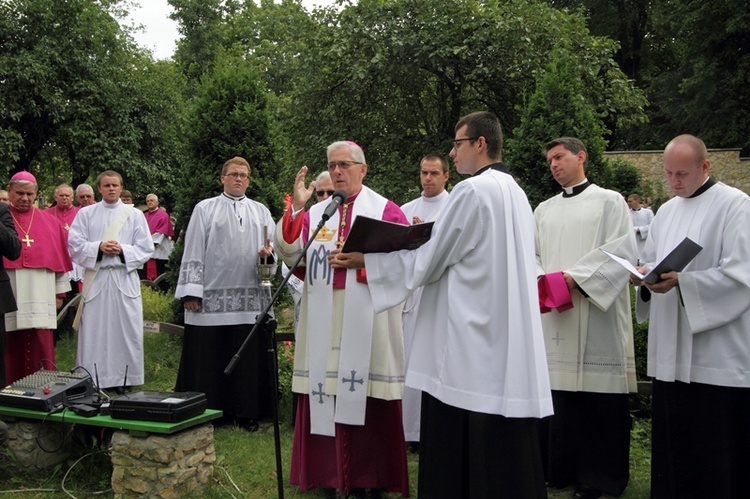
(352, 381)
(27, 240)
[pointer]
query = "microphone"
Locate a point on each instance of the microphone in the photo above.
(337, 198)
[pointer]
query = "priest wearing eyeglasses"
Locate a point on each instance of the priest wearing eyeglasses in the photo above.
(349, 360)
(39, 279)
(478, 354)
(222, 296)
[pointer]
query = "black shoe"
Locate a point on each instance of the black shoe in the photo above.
(412, 447)
(331, 493)
(248, 424)
(585, 492)
(361, 493)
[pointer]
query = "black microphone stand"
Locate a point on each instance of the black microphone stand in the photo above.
(265, 321)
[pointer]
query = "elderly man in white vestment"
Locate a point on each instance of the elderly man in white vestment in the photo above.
(478, 353)
(699, 333)
(589, 346)
(348, 362)
(433, 175)
(228, 235)
(111, 240)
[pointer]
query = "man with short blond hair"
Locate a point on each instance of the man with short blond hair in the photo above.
(39, 282)
(111, 240)
(218, 284)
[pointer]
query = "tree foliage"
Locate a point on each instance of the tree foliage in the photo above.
(559, 108)
(556, 109)
(393, 75)
(396, 75)
(705, 89)
(77, 96)
(229, 117)
(691, 58)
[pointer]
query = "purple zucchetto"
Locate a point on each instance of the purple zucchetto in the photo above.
(23, 176)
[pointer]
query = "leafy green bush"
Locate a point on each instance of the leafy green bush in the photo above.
(157, 306)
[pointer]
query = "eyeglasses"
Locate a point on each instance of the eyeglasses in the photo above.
(323, 193)
(457, 142)
(341, 164)
(241, 176)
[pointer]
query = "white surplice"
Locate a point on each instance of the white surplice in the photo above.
(111, 331)
(427, 209)
(589, 347)
(220, 258)
(641, 221)
(36, 295)
(478, 341)
(700, 330)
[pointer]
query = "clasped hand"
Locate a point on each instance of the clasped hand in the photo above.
(111, 248)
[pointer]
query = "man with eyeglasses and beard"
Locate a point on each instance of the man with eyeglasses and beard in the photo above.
(349, 361)
(222, 296)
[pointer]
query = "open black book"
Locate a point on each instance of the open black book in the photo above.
(676, 261)
(369, 235)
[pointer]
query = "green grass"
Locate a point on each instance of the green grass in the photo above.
(245, 460)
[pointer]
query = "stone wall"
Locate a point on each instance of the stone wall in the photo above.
(726, 166)
(25, 438)
(164, 466)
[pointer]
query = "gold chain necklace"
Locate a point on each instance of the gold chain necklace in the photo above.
(27, 239)
(342, 222)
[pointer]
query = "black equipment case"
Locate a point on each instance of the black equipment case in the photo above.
(166, 407)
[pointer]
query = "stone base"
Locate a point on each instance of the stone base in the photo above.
(26, 437)
(166, 466)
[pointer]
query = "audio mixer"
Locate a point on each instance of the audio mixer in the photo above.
(47, 390)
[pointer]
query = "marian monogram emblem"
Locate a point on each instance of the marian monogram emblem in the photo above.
(317, 266)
